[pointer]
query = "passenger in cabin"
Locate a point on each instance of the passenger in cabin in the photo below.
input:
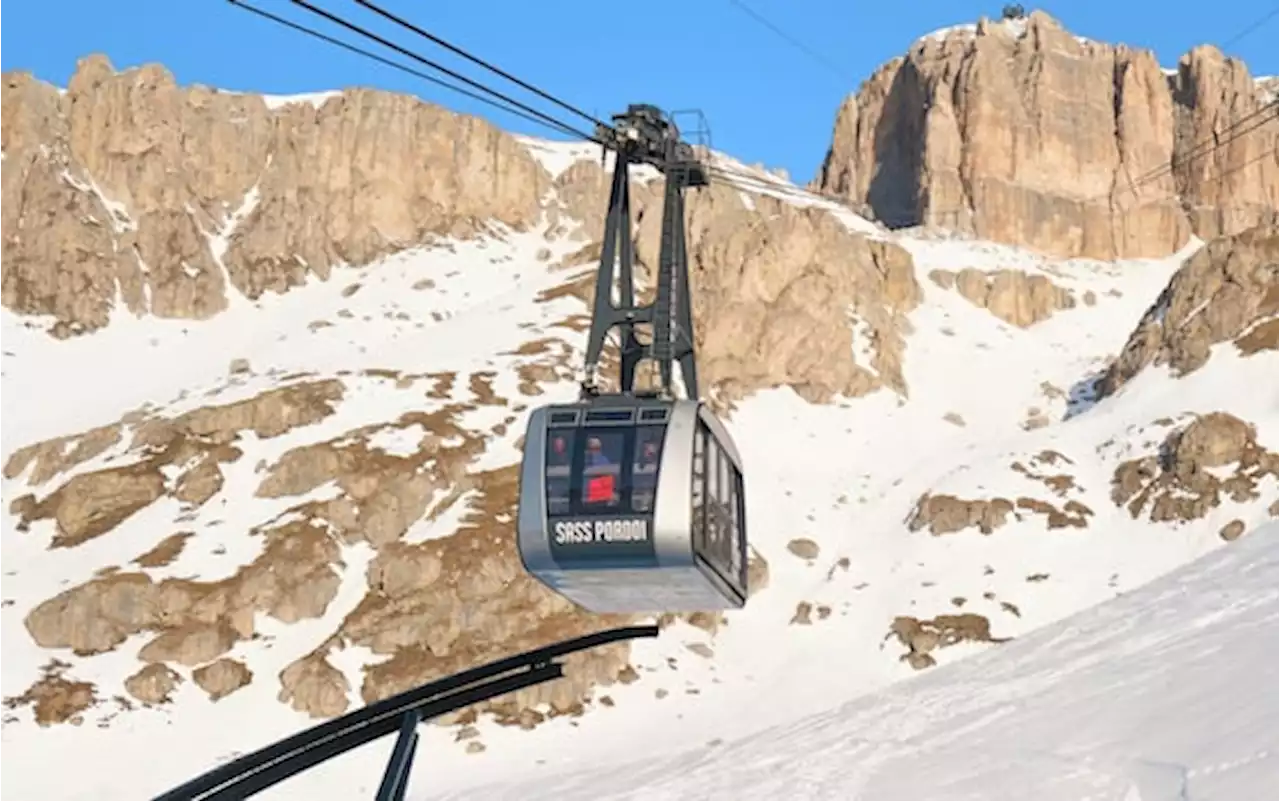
(558, 475)
(645, 477)
(601, 486)
(649, 455)
(595, 456)
(559, 451)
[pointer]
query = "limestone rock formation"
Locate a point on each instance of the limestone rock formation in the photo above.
(923, 637)
(1184, 482)
(314, 686)
(1226, 291)
(1023, 133)
(55, 698)
(221, 678)
(947, 514)
(1016, 297)
(153, 684)
(170, 193)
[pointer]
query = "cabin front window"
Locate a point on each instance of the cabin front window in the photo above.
(603, 470)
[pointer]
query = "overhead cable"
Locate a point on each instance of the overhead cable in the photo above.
(369, 54)
(1250, 28)
(816, 56)
(479, 61)
(564, 127)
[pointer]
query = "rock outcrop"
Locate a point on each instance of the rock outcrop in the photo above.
(947, 514)
(1226, 291)
(924, 637)
(130, 184)
(1020, 132)
(1016, 297)
(1186, 479)
(54, 698)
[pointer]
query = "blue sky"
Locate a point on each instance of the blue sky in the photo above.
(765, 100)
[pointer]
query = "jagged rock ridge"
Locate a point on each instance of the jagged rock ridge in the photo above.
(1028, 135)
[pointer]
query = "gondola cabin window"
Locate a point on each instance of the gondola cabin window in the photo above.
(602, 460)
(560, 470)
(699, 493)
(716, 511)
(644, 468)
(602, 470)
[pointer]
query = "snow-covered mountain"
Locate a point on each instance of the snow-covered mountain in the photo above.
(250, 484)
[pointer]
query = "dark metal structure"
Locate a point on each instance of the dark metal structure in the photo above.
(253, 773)
(632, 500)
(644, 135)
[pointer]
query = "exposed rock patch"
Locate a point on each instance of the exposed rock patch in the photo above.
(1232, 531)
(806, 612)
(165, 552)
(804, 548)
(90, 504)
(947, 514)
(924, 637)
(1016, 297)
(1190, 476)
(191, 644)
(292, 579)
(1061, 484)
(222, 678)
(153, 684)
(1226, 291)
(314, 686)
(54, 698)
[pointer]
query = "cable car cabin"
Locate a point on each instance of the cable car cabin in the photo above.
(634, 505)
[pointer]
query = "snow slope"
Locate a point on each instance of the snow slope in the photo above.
(1166, 693)
(845, 476)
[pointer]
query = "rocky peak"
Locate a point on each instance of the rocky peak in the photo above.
(1020, 132)
(128, 186)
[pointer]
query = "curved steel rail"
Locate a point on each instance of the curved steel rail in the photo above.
(252, 773)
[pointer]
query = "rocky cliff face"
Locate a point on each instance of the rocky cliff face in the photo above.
(1226, 291)
(125, 185)
(1020, 132)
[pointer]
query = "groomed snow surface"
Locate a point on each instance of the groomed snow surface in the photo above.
(1165, 692)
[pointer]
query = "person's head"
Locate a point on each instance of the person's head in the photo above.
(593, 445)
(651, 450)
(558, 445)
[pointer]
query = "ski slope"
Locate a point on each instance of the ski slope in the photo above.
(844, 475)
(1166, 693)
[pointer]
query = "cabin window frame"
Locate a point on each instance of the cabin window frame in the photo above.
(716, 507)
(625, 456)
